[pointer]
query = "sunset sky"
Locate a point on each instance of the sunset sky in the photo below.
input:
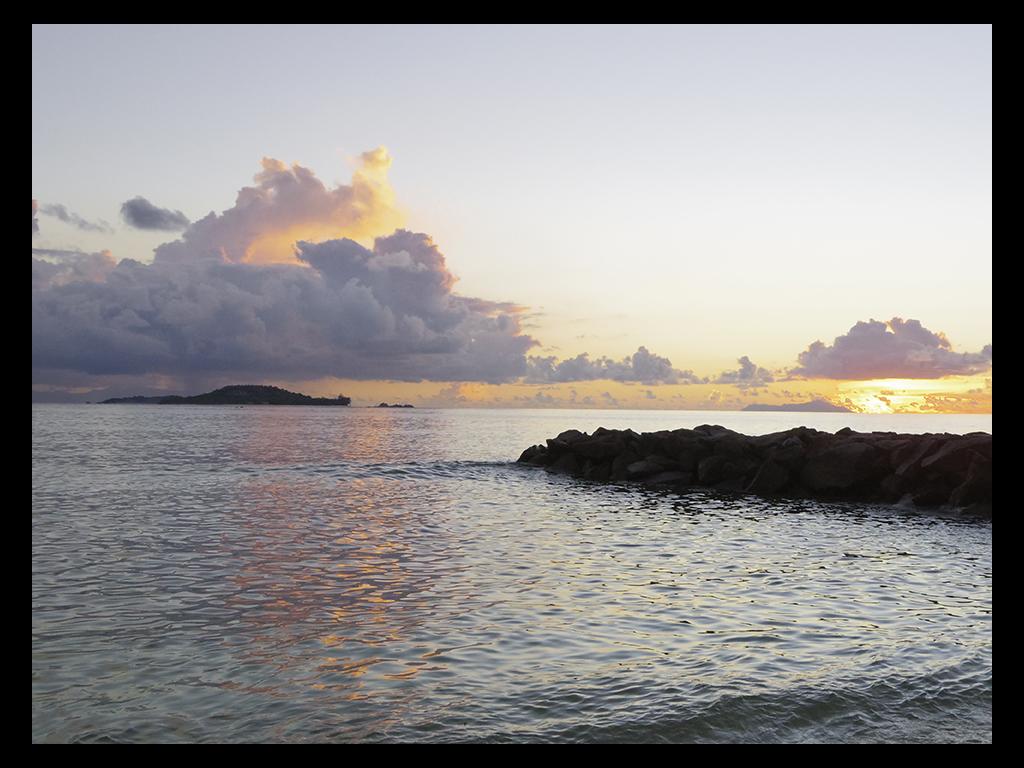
(693, 217)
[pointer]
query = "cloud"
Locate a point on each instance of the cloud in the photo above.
(248, 294)
(642, 366)
(746, 376)
(897, 349)
(60, 212)
(63, 267)
(288, 204)
(35, 221)
(142, 214)
(345, 311)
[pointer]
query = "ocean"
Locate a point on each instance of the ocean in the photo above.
(303, 574)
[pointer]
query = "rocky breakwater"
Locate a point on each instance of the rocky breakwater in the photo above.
(928, 471)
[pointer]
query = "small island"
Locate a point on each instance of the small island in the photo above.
(395, 405)
(813, 406)
(235, 394)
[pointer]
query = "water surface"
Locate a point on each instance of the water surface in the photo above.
(205, 573)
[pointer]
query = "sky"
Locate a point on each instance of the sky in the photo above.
(521, 216)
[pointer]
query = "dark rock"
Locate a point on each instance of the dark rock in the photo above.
(688, 450)
(567, 463)
(771, 478)
(737, 474)
(841, 468)
(606, 445)
(955, 456)
(710, 470)
(531, 453)
(570, 436)
(652, 465)
(930, 497)
(712, 429)
(928, 470)
(977, 487)
(790, 454)
(597, 470)
(731, 446)
(621, 462)
(663, 479)
(908, 458)
(656, 443)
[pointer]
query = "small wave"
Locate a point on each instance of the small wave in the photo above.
(950, 705)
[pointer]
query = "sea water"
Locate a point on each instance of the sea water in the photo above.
(294, 574)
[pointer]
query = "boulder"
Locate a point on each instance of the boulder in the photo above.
(771, 478)
(955, 456)
(607, 445)
(977, 486)
(841, 468)
(527, 456)
(667, 479)
(652, 465)
(570, 436)
(621, 463)
(567, 463)
(710, 470)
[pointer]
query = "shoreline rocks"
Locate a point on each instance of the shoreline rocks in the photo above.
(928, 471)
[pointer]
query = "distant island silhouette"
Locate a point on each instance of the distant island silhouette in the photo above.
(395, 405)
(816, 405)
(235, 394)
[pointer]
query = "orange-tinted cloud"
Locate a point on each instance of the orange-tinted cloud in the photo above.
(289, 204)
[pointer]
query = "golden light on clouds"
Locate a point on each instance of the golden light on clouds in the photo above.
(962, 394)
(304, 209)
(951, 394)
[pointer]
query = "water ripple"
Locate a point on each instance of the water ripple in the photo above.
(290, 575)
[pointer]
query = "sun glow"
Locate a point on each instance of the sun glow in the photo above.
(953, 394)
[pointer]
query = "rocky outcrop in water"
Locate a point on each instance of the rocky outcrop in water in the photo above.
(930, 470)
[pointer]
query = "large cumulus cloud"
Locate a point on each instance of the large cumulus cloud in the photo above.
(896, 349)
(248, 293)
(347, 311)
(642, 366)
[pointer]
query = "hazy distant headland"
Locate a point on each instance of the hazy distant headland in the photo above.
(236, 394)
(815, 406)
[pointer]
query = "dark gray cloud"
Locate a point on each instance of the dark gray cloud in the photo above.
(351, 312)
(896, 349)
(142, 214)
(746, 376)
(60, 212)
(35, 221)
(642, 366)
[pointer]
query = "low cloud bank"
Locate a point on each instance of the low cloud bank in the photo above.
(642, 366)
(895, 349)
